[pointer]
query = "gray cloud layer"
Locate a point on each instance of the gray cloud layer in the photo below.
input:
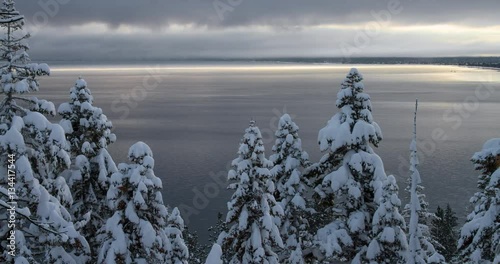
(313, 42)
(282, 13)
(290, 31)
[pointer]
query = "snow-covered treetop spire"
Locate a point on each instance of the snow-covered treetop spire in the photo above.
(288, 143)
(353, 127)
(413, 150)
(415, 254)
(421, 246)
(88, 130)
(81, 93)
(138, 152)
(251, 146)
(352, 100)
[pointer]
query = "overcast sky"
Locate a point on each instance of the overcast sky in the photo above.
(145, 29)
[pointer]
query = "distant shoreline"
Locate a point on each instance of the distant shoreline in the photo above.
(491, 63)
(486, 63)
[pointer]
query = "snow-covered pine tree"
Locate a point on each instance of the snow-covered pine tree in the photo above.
(480, 236)
(136, 233)
(44, 232)
(416, 254)
(85, 124)
(389, 245)
(289, 158)
(178, 253)
(44, 229)
(354, 174)
(421, 249)
(48, 155)
(252, 231)
(444, 231)
(89, 133)
(19, 75)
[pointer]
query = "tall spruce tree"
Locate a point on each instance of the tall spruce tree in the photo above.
(42, 227)
(444, 231)
(388, 245)
(421, 248)
(19, 76)
(89, 133)
(480, 236)
(36, 155)
(178, 252)
(252, 233)
(350, 172)
(289, 158)
(137, 231)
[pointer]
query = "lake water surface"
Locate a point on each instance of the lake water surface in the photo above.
(193, 116)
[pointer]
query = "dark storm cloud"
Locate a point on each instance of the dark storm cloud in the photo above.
(280, 13)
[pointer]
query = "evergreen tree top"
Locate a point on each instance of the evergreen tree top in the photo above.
(175, 219)
(351, 92)
(252, 147)
(88, 130)
(81, 97)
(138, 152)
(288, 144)
(80, 93)
(353, 127)
(286, 125)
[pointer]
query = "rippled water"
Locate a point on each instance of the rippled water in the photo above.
(193, 116)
